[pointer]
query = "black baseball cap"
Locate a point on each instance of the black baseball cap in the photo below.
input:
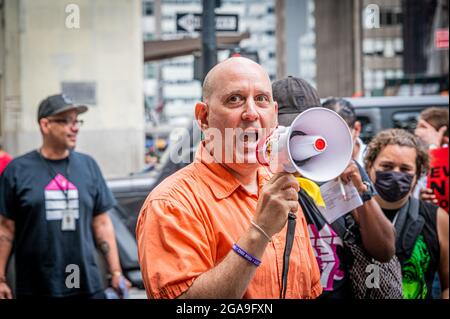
(56, 104)
(293, 95)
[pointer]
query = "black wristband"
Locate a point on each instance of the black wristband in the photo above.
(368, 194)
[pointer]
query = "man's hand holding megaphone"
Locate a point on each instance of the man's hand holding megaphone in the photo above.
(277, 199)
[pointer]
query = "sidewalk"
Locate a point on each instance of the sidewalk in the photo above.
(137, 294)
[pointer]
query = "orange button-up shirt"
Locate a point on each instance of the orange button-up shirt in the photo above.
(189, 223)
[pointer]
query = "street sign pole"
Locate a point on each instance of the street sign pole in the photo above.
(209, 45)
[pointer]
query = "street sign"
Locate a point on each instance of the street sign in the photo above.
(441, 39)
(192, 22)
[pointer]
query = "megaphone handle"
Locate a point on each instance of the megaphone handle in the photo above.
(292, 220)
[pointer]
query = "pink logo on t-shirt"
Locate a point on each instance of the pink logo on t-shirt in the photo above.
(59, 183)
(60, 195)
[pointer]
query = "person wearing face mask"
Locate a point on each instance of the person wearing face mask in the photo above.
(395, 159)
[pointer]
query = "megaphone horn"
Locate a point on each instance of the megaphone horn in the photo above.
(318, 145)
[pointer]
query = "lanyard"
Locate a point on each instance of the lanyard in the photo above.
(287, 252)
(395, 218)
(53, 174)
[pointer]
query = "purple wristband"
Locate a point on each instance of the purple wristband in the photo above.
(238, 250)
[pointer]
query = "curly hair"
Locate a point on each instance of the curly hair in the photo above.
(397, 137)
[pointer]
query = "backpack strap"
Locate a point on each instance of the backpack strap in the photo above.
(409, 225)
(346, 228)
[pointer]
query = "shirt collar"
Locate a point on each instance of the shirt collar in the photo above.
(221, 182)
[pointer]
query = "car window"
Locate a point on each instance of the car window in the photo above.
(367, 128)
(405, 120)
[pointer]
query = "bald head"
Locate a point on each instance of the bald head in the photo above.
(222, 70)
(237, 98)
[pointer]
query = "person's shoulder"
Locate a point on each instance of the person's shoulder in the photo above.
(87, 163)
(24, 159)
(82, 156)
(21, 164)
(183, 190)
(181, 183)
(427, 206)
(6, 156)
(428, 211)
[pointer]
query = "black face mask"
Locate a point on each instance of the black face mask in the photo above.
(393, 186)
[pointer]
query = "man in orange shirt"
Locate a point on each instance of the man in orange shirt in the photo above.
(217, 228)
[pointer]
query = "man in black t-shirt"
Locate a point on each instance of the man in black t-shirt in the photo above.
(53, 203)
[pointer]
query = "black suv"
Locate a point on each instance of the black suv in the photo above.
(378, 113)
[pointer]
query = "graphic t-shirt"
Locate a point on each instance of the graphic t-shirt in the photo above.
(414, 271)
(37, 194)
(421, 262)
(327, 245)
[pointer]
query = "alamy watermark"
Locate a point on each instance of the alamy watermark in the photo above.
(72, 16)
(373, 278)
(228, 145)
(73, 277)
(371, 16)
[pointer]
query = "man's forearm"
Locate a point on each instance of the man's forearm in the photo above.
(377, 232)
(6, 243)
(106, 242)
(231, 277)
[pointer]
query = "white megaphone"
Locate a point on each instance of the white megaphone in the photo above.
(318, 145)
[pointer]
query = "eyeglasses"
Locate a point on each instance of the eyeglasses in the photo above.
(68, 122)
